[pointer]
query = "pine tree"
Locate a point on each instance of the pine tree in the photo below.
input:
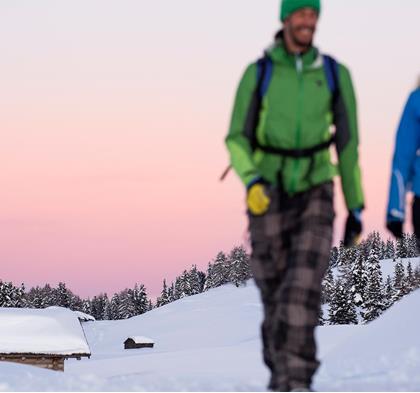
(417, 277)
(139, 299)
(126, 307)
(342, 309)
(401, 250)
(163, 299)
(87, 306)
(35, 298)
(100, 307)
(195, 281)
(374, 303)
(11, 296)
(63, 296)
(359, 280)
(321, 319)
(333, 257)
(327, 287)
(409, 287)
(389, 293)
(239, 271)
(410, 242)
(389, 250)
(217, 273)
(399, 279)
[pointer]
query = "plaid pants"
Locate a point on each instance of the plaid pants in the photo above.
(291, 246)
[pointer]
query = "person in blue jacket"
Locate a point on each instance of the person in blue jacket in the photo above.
(406, 169)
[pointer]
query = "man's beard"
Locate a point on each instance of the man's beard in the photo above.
(304, 44)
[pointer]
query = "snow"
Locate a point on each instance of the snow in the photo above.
(47, 331)
(142, 340)
(84, 317)
(388, 265)
(211, 342)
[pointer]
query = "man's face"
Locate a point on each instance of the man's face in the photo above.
(301, 26)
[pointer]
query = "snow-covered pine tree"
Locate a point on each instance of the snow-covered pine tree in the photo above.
(410, 241)
(99, 305)
(401, 249)
(114, 307)
(11, 296)
(182, 286)
(35, 298)
(359, 280)
(389, 293)
(171, 293)
(87, 306)
(164, 296)
(209, 277)
(341, 255)
(139, 299)
(49, 296)
(374, 303)
(126, 307)
(195, 281)
(389, 250)
(239, 271)
(409, 287)
(321, 319)
(417, 277)
(327, 286)
(333, 257)
(63, 296)
(202, 280)
(342, 309)
(217, 273)
(399, 281)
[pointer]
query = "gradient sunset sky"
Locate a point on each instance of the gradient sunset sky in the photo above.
(113, 116)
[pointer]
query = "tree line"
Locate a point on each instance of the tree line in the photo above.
(353, 290)
(231, 268)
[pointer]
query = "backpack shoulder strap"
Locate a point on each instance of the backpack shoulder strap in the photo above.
(331, 73)
(264, 73)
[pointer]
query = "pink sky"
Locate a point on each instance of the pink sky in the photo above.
(113, 119)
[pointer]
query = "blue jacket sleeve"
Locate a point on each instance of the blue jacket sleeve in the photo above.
(406, 147)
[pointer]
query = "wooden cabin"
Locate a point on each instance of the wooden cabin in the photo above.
(41, 337)
(138, 342)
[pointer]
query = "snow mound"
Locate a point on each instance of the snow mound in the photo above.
(383, 355)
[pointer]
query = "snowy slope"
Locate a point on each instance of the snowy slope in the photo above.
(211, 342)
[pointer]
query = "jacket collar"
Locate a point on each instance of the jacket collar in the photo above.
(279, 54)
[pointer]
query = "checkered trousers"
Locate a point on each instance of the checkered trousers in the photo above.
(290, 254)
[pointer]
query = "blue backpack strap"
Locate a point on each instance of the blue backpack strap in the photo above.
(264, 74)
(331, 72)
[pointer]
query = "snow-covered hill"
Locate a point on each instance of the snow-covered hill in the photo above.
(211, 342)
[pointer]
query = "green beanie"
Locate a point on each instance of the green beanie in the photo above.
(290, 6)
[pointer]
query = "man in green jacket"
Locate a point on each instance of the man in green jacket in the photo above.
(289, 108)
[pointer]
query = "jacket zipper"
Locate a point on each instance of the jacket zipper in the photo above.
(296, 163)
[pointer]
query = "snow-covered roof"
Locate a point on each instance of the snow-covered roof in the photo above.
(142, 340)
(84, 317)
(49, 331)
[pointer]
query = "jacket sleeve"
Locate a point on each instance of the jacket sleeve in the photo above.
(406, 146)
(347, 138)
(241, 155)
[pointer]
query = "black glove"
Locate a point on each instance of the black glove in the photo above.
(396, 228)
(353, 228)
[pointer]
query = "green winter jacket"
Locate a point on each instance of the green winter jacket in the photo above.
(296, 114)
